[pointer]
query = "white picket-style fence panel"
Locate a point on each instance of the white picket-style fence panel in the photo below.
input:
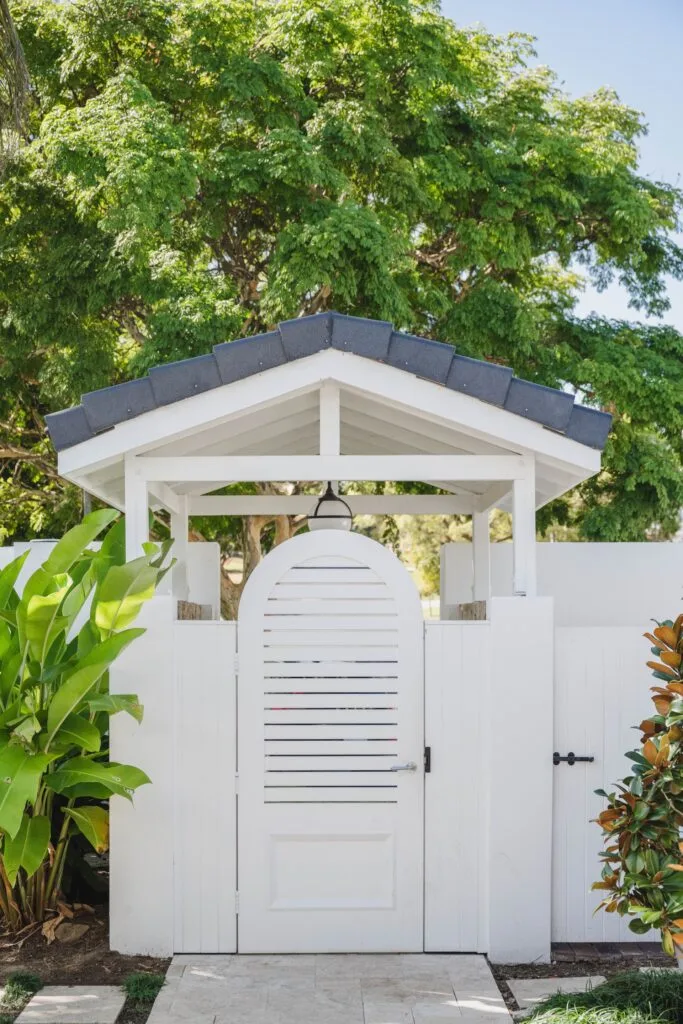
(457, 666)
(601, 692)
(205, 828)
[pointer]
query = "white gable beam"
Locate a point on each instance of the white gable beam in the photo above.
(244, 468)
(301, 504)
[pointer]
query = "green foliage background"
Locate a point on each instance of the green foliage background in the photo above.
(198, 169)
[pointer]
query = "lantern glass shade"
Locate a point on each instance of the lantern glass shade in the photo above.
(330, 512)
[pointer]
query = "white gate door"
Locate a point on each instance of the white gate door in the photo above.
(330, 750)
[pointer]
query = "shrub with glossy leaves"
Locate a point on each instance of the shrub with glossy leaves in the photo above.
(643, 858)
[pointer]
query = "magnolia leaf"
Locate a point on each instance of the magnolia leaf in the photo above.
(666, 634)
(114, 702)
(650, 751)
(667, 942)
(662, 671)
(28, 848)
(93, 822)
(20, 774)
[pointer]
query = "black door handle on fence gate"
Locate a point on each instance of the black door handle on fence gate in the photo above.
(570, 758)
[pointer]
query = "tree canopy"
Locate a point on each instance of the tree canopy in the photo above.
(198, 169)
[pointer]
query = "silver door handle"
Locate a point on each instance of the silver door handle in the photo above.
(409, 766)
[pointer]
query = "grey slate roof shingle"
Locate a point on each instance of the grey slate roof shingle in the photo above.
(296, 339)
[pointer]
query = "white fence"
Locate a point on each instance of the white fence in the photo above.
(500, 697)
(601, 693)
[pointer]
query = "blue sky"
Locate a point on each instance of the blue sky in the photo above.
(634, 46)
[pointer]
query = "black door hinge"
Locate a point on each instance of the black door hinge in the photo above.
(570, 758)
(428, 760)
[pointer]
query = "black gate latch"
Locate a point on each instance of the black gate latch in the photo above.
(428, 759)
(570, 758)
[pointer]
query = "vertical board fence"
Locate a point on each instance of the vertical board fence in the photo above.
(205, 869)
(601, 692)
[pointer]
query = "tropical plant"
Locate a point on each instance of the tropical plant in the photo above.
(643, 863)
(58, 639)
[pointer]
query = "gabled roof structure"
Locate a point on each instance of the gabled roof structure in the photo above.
(331, 397)
(296, 339)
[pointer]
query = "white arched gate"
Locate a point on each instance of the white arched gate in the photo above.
(330, 750)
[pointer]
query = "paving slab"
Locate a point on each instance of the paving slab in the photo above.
(529, 991)
(75, 1004)
(330, 989)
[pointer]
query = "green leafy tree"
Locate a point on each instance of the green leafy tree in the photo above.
(199, 169)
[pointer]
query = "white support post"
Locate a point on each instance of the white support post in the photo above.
(524, 533)
(137, 508)
(179, 533)
(481, 557)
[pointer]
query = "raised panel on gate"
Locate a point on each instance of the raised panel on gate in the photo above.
(330, 704)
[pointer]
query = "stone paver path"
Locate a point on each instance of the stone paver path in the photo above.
(529, 991)
(329, 989)
(74, 1004)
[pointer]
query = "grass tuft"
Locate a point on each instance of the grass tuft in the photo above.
(19, 988)
(625, 999)
(142, 989)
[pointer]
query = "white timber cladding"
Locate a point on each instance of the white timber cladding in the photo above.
(601, 693)
(457, 695)
(205, 763)
(330, 640)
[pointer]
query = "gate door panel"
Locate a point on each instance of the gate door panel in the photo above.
(330, 745)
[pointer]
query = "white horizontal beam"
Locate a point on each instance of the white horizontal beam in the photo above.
(237, 468)
(301, 504)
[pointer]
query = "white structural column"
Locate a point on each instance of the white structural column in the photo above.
(519, 731)
(179, 533)
(137, 508)
(524, 533)
(481, 556)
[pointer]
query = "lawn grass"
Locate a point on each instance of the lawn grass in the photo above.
(629, 998)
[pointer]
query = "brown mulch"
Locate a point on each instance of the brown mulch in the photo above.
(581, 959)
(87, 961)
